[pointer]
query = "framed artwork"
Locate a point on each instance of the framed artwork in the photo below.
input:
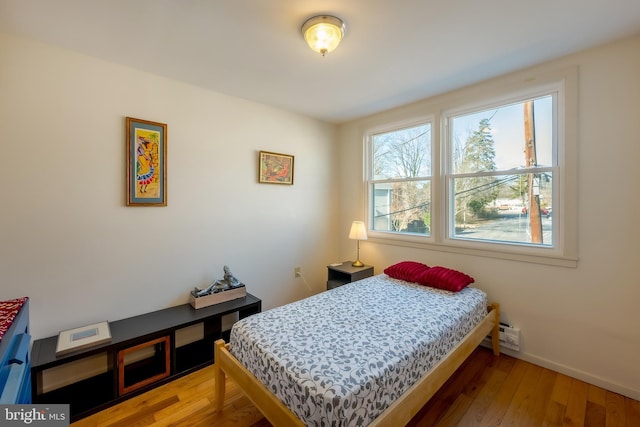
(81, 338)
(146, 163)
(275, 168)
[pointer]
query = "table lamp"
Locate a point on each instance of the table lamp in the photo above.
(358, 232)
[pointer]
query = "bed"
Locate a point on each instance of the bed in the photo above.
(371, 352)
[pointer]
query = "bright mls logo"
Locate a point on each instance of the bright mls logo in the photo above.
(36, 415)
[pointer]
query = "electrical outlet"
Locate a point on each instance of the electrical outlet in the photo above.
(297, 272)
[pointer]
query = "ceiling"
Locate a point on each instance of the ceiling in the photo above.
(394, 52)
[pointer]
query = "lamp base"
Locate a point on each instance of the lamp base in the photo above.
(357, 263)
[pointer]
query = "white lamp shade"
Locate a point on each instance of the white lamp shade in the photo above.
(358, 231)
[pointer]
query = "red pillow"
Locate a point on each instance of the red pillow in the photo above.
(445, 278)
(411, 271)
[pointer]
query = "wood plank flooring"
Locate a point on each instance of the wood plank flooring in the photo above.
(485, 391)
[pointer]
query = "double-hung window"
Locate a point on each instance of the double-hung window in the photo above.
(494, 176)
(401, 180)
(500, 174)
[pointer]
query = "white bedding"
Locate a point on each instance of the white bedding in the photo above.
(340, 358)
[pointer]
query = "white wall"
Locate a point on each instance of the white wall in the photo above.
(581, 321)
(68, 241)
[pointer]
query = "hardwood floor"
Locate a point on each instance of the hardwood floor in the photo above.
(485, 391)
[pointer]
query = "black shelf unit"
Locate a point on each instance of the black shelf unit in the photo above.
(101, 387)
(102, 390)
(198, 353)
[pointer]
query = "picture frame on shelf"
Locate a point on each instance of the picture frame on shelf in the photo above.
(275, 168)
(82, 338)
(146, 143)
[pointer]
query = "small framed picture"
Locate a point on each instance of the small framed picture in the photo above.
(82, 338)
(146, 163)
(275, 168)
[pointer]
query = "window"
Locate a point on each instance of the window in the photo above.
(401, 180)
(502, 167)
(496, 176)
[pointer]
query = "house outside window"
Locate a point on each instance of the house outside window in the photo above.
(401, 180)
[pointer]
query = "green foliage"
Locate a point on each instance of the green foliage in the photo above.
(476, 206)
(478, 156)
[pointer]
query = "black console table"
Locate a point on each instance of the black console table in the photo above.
(143, 353)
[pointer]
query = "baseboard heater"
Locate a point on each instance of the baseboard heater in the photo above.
(509, 337)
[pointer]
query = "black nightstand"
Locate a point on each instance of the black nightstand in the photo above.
(344, 273)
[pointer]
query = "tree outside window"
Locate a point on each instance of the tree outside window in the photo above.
(502, 173)
(401, 184)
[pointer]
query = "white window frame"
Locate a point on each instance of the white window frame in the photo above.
(413, 122)
(399, 125)
(501, 91)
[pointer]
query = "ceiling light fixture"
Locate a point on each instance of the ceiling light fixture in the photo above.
(323, 33)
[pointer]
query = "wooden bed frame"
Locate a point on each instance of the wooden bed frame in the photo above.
(399, 412)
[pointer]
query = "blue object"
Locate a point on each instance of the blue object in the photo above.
(15, 366)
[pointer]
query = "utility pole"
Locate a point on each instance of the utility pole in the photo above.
(535, 220)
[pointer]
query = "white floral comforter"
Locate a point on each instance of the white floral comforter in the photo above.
(340, 358)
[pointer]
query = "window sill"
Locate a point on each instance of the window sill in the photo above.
(516, 253)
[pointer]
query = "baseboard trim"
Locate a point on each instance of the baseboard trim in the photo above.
(575, 373)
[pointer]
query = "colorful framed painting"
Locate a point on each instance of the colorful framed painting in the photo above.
(275, 168)
(146, 163)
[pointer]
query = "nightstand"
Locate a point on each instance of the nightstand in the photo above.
(344, 273)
